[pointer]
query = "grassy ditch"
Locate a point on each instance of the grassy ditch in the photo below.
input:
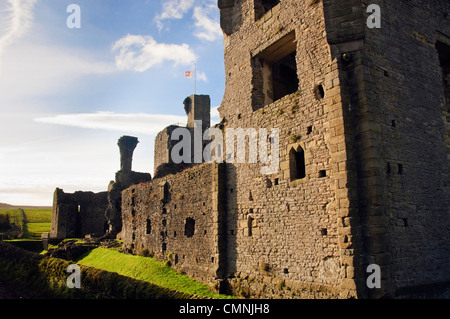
(45, 277)
(146, 269)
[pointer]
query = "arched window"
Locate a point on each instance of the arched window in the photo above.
(297, 163)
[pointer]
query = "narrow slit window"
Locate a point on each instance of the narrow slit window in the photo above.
(444, 59)
(250, 226)
(149, 227)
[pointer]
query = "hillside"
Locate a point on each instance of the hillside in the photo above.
(8, 206)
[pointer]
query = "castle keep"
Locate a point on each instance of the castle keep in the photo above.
(364, 148)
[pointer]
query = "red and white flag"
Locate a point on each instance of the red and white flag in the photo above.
(188, 74)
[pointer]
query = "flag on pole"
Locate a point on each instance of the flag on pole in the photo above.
(190, 75)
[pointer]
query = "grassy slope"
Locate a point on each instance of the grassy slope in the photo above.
(146, 269)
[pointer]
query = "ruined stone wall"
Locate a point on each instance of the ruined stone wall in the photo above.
(284, 237)
(177, 218)
(372, 119)
(198, 108)
(392, 94)
(163, 146)
(78, 214)
(408, 224)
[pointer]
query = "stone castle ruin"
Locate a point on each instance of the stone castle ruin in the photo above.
(85, 213)
(364, 149)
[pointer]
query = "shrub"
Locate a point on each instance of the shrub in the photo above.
(4, 223)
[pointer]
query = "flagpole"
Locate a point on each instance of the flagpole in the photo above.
(195, 79)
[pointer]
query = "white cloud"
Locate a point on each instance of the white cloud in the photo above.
(215, 116)
(139, 53)
(205, 15)
(31, 171)
(173, 9)
(201, 76)
(149, 124)
(208, 28)
(32, 70)
(215, 112)
(18, 19)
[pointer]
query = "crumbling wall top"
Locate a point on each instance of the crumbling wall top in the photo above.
(127, 144)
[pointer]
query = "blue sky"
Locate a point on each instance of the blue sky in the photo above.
(68, 94)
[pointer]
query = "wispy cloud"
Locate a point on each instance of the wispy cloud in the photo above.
(32, 70)
(201, 76)
(19, 17)
(139, 53)
(173, 9)
(205, 16)
(207, 23)
(149, 124)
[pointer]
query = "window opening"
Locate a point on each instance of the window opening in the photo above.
(189, 227)
(297, 163)
(275, 72)
(264, 6)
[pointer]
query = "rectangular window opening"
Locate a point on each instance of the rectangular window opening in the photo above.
(264, 6)
(444, 59)
(275, 72)
(322, 173)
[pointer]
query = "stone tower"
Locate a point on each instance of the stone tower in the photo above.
(363, 174)
(125, 177)
(364, 144)
(127, 145)
(198, 108)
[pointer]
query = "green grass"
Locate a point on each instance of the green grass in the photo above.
(38, 215)
(39, 228)
(39, 219)
(146, 269)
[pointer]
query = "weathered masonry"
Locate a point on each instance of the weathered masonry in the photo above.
(79, 214)
(368, 126)
(363, 178)
(180, 218)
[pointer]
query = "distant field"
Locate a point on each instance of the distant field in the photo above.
(4, 206)
(38, 219)
(38, 215)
